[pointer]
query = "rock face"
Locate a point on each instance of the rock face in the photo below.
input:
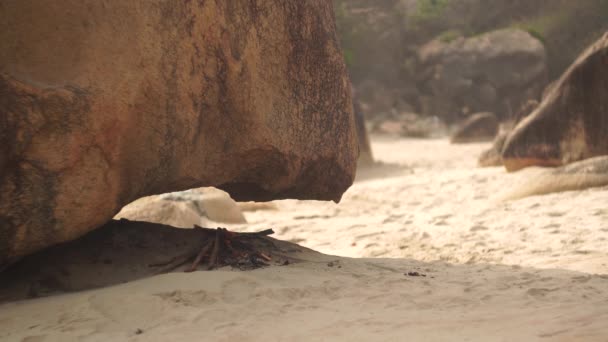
(477, 127)
(106, 102)
(493, 155)
(571, 122)
(495, 72)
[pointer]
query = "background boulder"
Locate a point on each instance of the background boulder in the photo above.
(496, 71)
(570, 124)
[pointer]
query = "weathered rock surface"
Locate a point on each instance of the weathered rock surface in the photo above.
(477, 127)
(493, 155)
(496, 72)
(106, 102)
(571, 122)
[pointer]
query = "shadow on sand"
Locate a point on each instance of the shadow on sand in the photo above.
(119, 252)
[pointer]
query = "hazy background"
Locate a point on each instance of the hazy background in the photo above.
(386, 45)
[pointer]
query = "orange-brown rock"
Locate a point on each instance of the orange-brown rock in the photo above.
(103, 102)
(571, 122)
(493, 155)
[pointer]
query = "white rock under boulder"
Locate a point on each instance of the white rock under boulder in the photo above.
(185, 209)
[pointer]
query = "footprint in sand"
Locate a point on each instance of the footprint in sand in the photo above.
(297, 240)
(364, 236)
(551, 226)
(581, 279)
(576, 241)
(478, 228)
(284, 230)
(38, 338)
(187, 298)
(238, 290)
(389, 219)
(539, 292)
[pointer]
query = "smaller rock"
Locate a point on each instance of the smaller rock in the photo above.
(478, 127)
(185, 209)
(219, 207)
(154, 209)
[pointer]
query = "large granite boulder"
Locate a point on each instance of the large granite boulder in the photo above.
(106, 102)
(495, 72)
(571, 123)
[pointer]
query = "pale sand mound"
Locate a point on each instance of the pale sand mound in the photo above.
(355, 299)
(431, 204)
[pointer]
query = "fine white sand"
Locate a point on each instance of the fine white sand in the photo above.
(522, 270)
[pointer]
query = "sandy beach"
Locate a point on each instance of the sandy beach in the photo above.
(423, 247)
